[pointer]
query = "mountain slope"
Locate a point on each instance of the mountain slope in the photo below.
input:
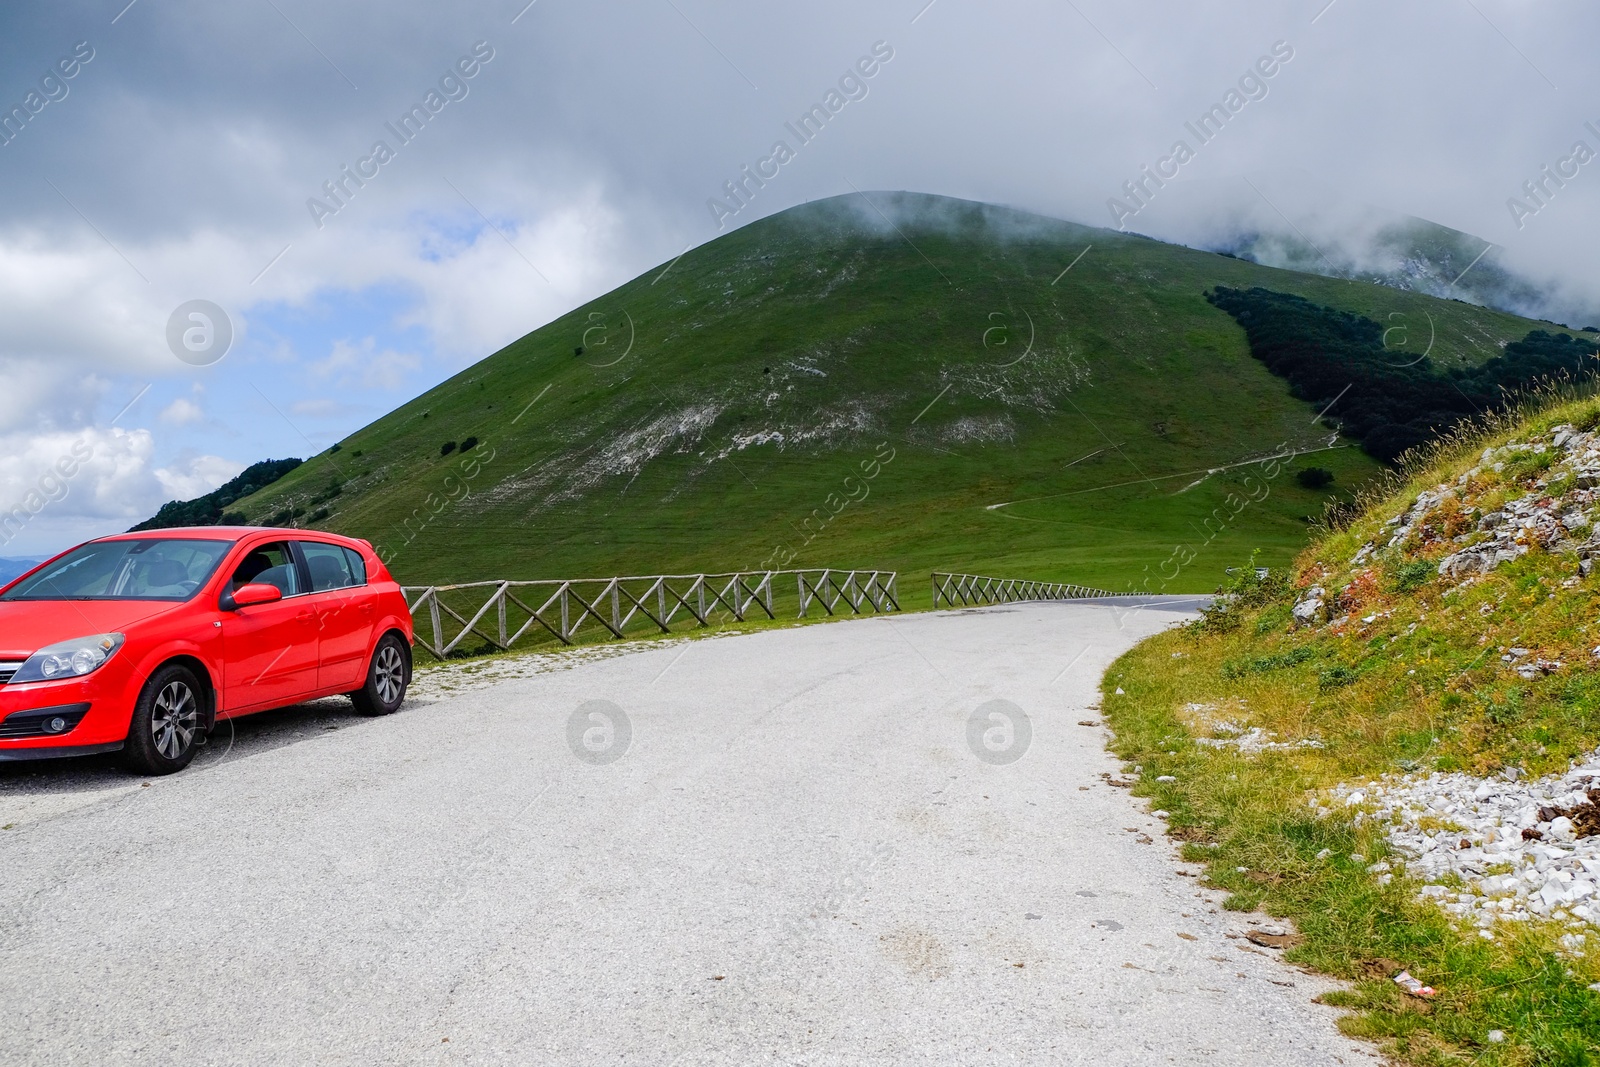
(955, 388)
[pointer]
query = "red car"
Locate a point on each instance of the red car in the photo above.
(143, 641)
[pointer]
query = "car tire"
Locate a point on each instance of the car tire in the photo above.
(167, 722)
(388, 675)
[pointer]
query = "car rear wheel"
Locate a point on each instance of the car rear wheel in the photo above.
(387, 677)
(167, 722)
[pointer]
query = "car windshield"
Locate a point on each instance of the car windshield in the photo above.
(154, 569)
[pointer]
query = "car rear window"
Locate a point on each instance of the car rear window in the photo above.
(333, 566)
(141, 569)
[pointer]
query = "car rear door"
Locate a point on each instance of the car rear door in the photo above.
(269, 650)
(344, 608)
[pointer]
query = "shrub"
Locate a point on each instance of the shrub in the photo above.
(319, 515)
(1247, 588)
(1335, 678)
(1529, 464)
(1413, 575)
(1314, 477)
(447, 448)
(469, 444)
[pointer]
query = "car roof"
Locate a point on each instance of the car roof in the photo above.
(228, 533)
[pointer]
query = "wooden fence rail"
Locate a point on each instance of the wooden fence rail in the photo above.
(511, 609)
(971, 589)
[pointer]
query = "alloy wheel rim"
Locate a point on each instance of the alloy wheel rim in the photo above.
(389, 674)
(175, 717)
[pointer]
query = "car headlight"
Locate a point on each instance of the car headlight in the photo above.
(68, 659)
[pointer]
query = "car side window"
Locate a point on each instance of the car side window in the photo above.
(269, 564)
(329, 566)
(358, 566)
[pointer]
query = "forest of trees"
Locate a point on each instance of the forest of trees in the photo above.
(1388, 400)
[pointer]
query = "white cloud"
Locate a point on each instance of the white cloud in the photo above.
(59, 486)
(195, 476)
(365, 365)
(181, 412)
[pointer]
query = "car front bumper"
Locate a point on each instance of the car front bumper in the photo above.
(96, 708)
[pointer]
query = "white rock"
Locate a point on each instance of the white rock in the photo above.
(1558, 876)
(1311, 608)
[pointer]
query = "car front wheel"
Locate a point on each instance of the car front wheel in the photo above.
(167, 722)
(387, 677)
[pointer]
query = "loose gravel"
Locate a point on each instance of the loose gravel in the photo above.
(1495, 850)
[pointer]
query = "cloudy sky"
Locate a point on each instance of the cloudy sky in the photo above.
(167, 151)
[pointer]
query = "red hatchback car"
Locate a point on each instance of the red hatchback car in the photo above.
(143, 641)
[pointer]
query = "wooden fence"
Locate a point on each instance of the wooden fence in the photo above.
(502, 612)
(971, 589)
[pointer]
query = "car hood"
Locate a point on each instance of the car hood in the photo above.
(29, 625)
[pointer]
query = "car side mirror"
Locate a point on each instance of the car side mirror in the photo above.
(251, 593)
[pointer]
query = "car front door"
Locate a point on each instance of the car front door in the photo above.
(344, 607)
(270, 650)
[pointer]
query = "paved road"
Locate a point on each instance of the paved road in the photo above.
(798, 858)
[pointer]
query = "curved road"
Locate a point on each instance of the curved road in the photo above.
(803, 854)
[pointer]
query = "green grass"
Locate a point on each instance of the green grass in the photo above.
(859, 343)
(1421, 688)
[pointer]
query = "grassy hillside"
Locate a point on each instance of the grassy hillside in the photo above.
(825, 387)
(1374, 742)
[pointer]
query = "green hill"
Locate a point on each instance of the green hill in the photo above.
(1394, 743)
(964, 387)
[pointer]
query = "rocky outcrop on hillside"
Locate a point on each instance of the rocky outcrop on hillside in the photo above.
(1535, 495)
